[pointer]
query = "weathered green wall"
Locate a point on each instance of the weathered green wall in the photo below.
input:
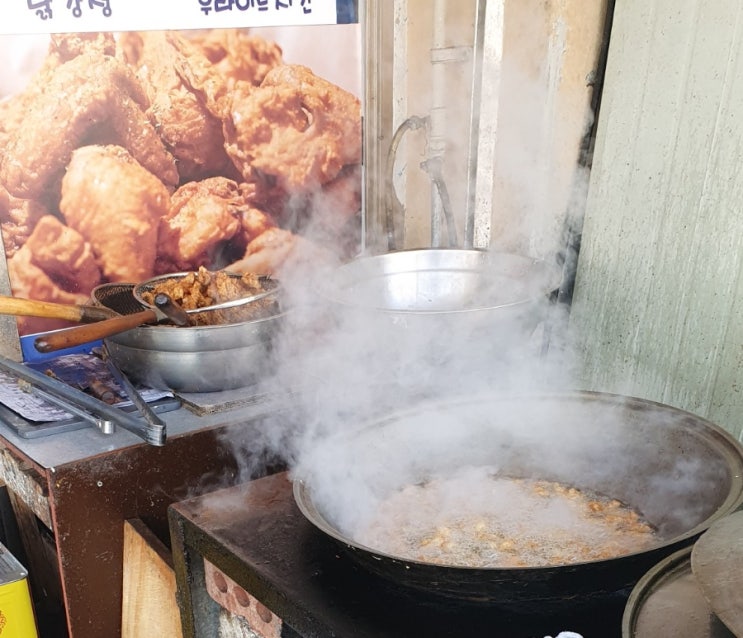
(658, 305)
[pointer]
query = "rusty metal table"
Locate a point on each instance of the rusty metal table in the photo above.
(82, 486)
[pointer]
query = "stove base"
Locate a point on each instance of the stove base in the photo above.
(255, 535)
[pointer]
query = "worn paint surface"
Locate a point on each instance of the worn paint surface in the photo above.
(658, 305)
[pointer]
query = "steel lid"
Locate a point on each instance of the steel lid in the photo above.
(717, 565)
(668, 602)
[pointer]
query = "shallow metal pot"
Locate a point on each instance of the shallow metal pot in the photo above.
(196, 358)
(679, 471)
(444, 291)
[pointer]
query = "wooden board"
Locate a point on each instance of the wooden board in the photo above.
(149, 605)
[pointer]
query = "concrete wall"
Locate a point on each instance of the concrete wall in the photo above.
(658, 303)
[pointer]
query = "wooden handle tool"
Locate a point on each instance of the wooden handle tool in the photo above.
(78, 335)
(70, 312)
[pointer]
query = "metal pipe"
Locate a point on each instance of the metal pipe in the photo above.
(393, 207)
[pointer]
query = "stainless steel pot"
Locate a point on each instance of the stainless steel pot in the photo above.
(440, 307)
(197, 358)
(440, 281)
(678, 470)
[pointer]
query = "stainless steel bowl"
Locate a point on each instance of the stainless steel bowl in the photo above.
(454, 294)
(422, 282)
(197, 358)
(189, 359)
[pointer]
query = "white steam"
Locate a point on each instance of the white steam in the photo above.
(380, 400)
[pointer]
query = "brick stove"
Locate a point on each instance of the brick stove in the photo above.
(248, 552)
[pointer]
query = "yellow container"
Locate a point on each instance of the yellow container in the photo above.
(16, 611)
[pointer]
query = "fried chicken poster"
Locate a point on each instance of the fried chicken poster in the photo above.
(132, 154)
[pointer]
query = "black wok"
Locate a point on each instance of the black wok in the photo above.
(680, 471)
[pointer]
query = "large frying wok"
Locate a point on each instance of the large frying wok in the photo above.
(680, 471)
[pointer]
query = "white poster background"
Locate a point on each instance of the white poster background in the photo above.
(60, 16)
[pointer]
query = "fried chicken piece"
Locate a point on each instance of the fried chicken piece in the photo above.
(31, 282)
(62, 48)
(64, 255)
(55, 264)
(201, 76)
(90, 99)
(297, 128)
(202, 288)
(280, 252)
(238, 56)
(254, 223)
(18, 218)
(116, 205)
(203, 217)
(11, 115)
(189, 130)
(13, 111)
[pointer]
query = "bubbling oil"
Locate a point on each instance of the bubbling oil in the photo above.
(478, 519)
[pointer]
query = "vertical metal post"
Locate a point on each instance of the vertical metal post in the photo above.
(377, 19)
(486, 78)
(437, 115)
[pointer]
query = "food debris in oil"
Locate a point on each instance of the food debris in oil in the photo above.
(512, 523)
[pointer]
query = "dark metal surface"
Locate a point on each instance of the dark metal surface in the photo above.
(717, 565)
(255, 534)
(667, 602)
(680, 471)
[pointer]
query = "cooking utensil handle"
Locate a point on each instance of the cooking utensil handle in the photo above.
(78, 335)
(51, 310)
(171, 309)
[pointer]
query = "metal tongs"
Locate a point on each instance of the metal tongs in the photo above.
(105, 417)
(155, 425)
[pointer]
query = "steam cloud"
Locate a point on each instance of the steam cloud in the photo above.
(350, 365)
(345, 365)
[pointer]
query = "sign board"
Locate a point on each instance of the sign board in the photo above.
(45, 16)
(146, 137)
